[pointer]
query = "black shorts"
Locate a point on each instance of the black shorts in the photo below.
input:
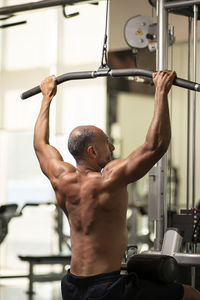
(113, 286)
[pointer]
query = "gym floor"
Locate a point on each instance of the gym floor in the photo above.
(16, 289)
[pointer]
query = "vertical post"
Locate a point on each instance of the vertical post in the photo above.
(158, 174)
(194, 110)
(162, 36)
(3, 136)
(195, 9)
(188, 116)
(59, 221)
(31, 279)
(162, 164)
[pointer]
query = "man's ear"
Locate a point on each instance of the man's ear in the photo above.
(91, 151)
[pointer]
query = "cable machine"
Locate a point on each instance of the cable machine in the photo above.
(158, 174)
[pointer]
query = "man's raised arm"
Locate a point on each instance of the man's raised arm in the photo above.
(159, 133)
(141, 160)
(47, 155)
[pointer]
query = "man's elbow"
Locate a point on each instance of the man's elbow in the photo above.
(160, 147)
(163, 146)
(166, 142)
(38, 146)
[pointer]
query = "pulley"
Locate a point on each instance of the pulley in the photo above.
(137, 30)
(141, 32)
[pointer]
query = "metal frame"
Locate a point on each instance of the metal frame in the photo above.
(180, 4)
(188, 114)
(8, 10)
(172, 245)
(158, 175)
(62, 260)
(195, 9)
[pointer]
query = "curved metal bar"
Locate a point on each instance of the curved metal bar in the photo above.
(60, 79)
(112, 73)
(7, 10)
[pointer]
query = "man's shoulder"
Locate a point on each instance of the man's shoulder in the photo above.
(69, 167)
(60, 170)
(112, 167)
(113, 174)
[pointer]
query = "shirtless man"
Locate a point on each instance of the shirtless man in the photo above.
(93, 196)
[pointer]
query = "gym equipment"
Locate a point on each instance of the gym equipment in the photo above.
(8, 10)
(171, 246)
(136, 31)
(137, 206)
(60, 259)
(105, 72)
(141, 32)
(162, 268)
(188, 223)
(161, 265)
(7, 212)
(158, 174)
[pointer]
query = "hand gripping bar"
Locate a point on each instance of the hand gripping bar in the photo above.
(104, 72)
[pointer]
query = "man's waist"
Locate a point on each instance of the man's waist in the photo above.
(92, 279)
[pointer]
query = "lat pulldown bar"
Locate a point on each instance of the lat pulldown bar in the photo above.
(112, 73)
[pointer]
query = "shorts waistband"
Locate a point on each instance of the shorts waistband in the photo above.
(89, 280)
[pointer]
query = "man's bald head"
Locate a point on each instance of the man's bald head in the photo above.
(80, 138)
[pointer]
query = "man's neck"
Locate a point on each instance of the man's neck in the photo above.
(86, 168)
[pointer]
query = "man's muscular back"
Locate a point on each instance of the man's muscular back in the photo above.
(97, 218)
(95, 201)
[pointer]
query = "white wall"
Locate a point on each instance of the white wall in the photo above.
(135, 112)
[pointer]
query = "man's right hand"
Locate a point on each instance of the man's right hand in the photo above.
(48, 87)
(163, 80)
